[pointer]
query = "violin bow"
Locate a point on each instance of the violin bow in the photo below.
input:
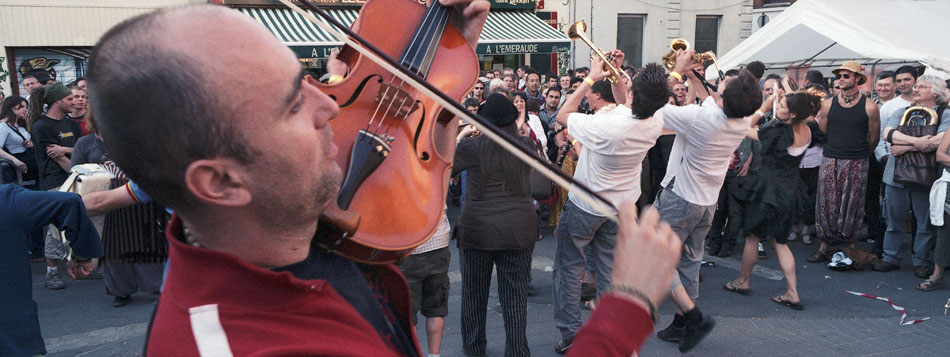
(491, 131)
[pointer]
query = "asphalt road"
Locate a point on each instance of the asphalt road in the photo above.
(81, 321)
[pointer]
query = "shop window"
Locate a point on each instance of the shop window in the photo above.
(707, 33)
(630, 38)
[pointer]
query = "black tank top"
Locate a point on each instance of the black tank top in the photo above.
(847, 131)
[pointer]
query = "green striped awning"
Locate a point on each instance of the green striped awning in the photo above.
(514, 32)
(304, 38)
(505, 32)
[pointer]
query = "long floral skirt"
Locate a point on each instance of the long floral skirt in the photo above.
(840, 202)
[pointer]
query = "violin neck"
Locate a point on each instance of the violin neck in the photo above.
(421, 50)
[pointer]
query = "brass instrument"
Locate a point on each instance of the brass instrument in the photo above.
(576, 31)
(669, 59)
(919, 115)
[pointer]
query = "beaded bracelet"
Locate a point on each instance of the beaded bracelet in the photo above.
(623, 289)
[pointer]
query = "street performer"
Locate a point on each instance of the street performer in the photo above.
(247, 164)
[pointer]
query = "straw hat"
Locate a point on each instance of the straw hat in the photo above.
(855, 67)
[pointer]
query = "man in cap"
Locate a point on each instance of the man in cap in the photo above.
(852, 124)
(54, 137)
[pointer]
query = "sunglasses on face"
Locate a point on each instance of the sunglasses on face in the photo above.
(843, 75)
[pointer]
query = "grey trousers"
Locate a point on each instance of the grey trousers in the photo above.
(576, 230)
(690, 222)
(122, 279)
(899, 201)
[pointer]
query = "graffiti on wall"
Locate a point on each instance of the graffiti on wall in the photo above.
(60, 67)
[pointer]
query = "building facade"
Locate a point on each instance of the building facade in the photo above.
(55, 36)
(644, 29)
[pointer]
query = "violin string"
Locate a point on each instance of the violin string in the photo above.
(390, 85)
(440, 22)
(524, 154)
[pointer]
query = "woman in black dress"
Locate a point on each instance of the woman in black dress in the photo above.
(769, 196)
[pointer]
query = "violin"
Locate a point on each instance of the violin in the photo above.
(396, 122)
(397, 146)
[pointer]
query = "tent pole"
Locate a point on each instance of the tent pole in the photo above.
(819, 53)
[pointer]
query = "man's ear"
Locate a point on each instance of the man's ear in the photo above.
(220, 182)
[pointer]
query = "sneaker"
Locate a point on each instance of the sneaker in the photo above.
(121, 301)
(53, 282)
(762, 253)
(714, 246)
(563, 345)
(672, 333)
(883, 266)
(696, 333)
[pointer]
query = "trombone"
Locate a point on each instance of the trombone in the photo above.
(576, 31)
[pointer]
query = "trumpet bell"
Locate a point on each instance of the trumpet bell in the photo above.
(576, 30)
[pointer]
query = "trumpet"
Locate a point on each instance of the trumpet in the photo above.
(576, 31)
(669, 59)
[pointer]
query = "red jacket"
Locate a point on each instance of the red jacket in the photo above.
(231, 306)
(235, 308)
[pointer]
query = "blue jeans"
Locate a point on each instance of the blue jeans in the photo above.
(899, 201)
(576, 230)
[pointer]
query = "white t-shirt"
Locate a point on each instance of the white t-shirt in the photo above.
(614, 143)
(705, 141)
(890, 107)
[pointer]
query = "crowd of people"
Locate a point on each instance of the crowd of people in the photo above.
(769, 158)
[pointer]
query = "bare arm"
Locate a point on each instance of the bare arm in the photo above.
(874, 124)
(823, 115)
(19, 164)
(102, 202)
(574, 100)
(942, 156)
(619, 89)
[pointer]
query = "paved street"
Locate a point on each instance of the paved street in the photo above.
(80, 320)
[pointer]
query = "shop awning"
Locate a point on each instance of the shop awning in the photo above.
(518, 32)
(304, 38)
(505, 32)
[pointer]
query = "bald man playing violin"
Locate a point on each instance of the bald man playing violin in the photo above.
(245, 159)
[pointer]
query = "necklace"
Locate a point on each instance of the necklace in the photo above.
(849, 100)
(190, 238)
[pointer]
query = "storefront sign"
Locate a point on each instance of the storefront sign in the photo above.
(520, 48)
(512, 4)
(313, 51)
(356, 3)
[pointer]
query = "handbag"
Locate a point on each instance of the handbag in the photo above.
(541, 186)
(915, 167)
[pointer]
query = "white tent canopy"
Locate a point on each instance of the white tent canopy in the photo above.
(825, 33)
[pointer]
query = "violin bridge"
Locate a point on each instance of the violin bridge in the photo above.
(392, 96)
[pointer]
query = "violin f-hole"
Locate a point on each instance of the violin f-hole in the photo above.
(359, 89)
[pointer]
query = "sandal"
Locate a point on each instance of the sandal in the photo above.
(791, 305)
(930, 284)
(807, 239)
(733, 288)
(792, 236)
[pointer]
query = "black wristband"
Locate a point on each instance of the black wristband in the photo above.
(81, 260)
(890, 136)
(613, 288)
